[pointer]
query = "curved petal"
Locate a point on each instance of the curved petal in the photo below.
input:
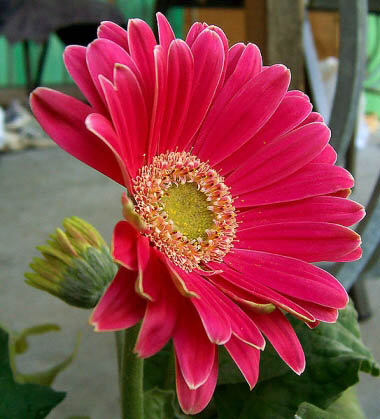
(103, 129)
(232, 123)
(141, 44)
(244, 291)
(160, 93)
(234, 54)
(161, 315)
(328, 156)
(308, 241)
(279, 159)
(63, 118)
(246, 358)
(321, 313)
(165, 31)
(311, 180)
(208, 53)
(124, 245)
(120, 307)
(215, 321)
(195, 352)
(277, 328)
(113, 32)
(287, 116)
(102, 55)
(196, 29)
(328, 209)
(76, 64)
(288, 276)
(129, 114)
(180, 74)
(194, 401)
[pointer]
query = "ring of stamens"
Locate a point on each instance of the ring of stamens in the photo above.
(187, 208)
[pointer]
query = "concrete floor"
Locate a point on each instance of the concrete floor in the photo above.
(40, 188)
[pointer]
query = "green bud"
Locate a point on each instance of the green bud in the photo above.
(76, 266)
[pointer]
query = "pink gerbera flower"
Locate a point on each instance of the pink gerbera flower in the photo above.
(233, 194)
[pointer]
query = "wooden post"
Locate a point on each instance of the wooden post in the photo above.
(276, 27)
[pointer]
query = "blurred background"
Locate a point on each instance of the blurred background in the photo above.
(333, 50)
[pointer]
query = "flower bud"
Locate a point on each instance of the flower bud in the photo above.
(76, 266)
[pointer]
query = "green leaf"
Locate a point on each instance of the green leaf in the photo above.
(21, 401)
(335, 355)
(20, 342)
(159, 370)
(159, 404)
(310, 411)
(345, 407)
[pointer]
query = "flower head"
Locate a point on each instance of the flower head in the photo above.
(77, 265)
(234, 193)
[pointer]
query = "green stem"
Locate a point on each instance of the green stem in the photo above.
(119, 337)
(131, 381)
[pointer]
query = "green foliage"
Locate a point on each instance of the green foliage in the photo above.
(335, 355)
(21, 401)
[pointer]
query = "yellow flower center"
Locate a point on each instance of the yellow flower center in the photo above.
(187, 207)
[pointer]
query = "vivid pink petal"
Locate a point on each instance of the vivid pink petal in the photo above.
(102, 128)
(328, 156)
(194, 32)
(320, 312)
(120, 307)
(244, 291)
(124, 245)
(277, 328)
(215, 321)
(245, 64)
(246, 358)
(248, 66)
(287, 116)
(292, 277)
(208, 53)
(63, 118)
(311, 180)
(76, 64)
(224, 39)
(195, 352)
(298, 93)
(234, 54)
(313, 117)
(341, 193)
(194, 401)
(141, 44)
(232, 123)
(290, 152)
(180, 76)
(161, 315)
(115, 33)
(308, 241)
(150, 269)
(160, 94)
(165, 31)
(351, 257)
(129, 114)
(102, 55)
(327, 209)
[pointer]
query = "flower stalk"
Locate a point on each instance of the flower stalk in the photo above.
(131, 378)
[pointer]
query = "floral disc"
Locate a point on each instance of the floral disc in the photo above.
(187, 208)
